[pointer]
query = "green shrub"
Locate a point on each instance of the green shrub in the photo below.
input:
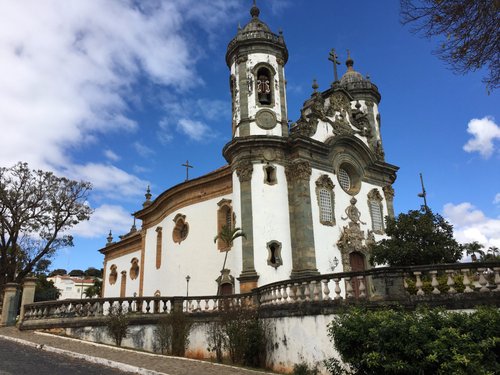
(303, 368)
(117, 323)
(172, 333)
(426, 341)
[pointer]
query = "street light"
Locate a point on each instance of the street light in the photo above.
(187, 285)
(334, 263)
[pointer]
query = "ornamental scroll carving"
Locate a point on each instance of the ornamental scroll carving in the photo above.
(325, 182)
(244, 170)
(298, 170)
(388, 192)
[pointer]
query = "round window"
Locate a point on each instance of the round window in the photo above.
(349, 178)
(344, 180)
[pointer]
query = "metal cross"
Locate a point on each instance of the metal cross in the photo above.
(187, 169)
(333, 58)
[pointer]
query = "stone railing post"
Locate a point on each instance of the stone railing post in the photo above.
(10, 302)
(29, 284)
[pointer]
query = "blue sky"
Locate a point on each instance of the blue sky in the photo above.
(121, 93)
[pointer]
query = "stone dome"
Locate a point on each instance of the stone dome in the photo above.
(351, 75)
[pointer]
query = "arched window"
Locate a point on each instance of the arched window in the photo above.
(113, 274)
(181, 228)
(225, 217)
(376, 211)
(326, 200)
(158, 246)
(264, 86)
(134, 269)
(274, 254)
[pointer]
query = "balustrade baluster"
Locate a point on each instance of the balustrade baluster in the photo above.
(337, 289)
(466, 281)
(148, 305)
(307, 292)
(362, 288)
(450, 282)
(285, 293)
(279, 295)
(434, 282)
(326, 290)
(348, 288)
(418, 283)
(497, 279)
(206, 304)
(316, 289)
(293, 293)
(405, 284)
(482, 280)
(298, 292)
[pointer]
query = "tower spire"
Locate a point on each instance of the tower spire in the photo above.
(254, 11)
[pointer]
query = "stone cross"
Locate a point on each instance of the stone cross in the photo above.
(187, 169)
(333, 58)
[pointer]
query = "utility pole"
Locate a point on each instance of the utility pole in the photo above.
(423, 194)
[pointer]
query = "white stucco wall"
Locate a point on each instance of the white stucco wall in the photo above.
(122, 263)
(196, 256)
(271, 221)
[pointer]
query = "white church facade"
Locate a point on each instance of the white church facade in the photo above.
(307, 195)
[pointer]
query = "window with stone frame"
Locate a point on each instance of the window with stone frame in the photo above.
(270, 174)
(159, 238)
(225, 217)
(181, 228)
(376, 211)
(274, 254)
(113, 274)
(134, 268)
(326, 200)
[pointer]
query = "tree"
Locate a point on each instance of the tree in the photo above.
(93, 272)
(227, 235)
(473, 248)
(45, 289)
(418, 237)
(58, 272)
(37, 209)
(468, 30)
(492, 255)
(426, 341)
(76, 273)
(94, 290)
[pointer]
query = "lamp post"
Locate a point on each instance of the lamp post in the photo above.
(187, 285)
(334, 263)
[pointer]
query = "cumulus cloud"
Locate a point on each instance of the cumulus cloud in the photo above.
(496, 200)
(111, 155)
(106, 217)
(195, 130)
(485, 132)
(471, 224)
(143, 150)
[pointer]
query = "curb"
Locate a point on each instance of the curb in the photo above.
(88, 358)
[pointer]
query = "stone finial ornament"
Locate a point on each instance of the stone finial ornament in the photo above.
(148, 196)
(254, 12)
(109, 238)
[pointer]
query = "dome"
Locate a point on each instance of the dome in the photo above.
(351, 75)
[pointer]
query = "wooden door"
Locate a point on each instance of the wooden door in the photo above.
(357, 261)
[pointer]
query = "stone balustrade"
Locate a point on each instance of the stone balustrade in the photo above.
(443, 282)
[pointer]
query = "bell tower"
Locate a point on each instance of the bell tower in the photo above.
(256, 58)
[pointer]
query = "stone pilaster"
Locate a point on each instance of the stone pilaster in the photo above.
(389, 198)
(298, 174)
(284, 116)
(29, 285)
(244, 125)
(10, 301)
(248, 277)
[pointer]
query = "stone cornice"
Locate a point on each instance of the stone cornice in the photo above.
(211, 185)
(127, 245)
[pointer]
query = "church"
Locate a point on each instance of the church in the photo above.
(310, 196)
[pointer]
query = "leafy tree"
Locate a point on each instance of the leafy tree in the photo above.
(117, 323)
(228, 235)
(45, 289)
(418, 237)
(94, 290)
(468, 30)
(58, 272)
(93, 272)
(416, 342)
(42, 266)
(76, 273)
(37, 208)
(473, 248)
(493, 254)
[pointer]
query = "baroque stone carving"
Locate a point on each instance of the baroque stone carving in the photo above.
(265, 119)
(388, 192)
(298, 170)
(244, 170)
(374, 194)
(352, 212)
(325, 181)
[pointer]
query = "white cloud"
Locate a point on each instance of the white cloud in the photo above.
(111, 155)
(143, 150)
(105, 218)
(471, 224)
(112, 181)
(496, 200)
(68, 68)
(484, 132)
(195, 130)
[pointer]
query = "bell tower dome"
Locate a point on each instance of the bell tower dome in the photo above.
(256, 58)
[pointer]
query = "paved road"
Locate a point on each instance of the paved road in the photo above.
(17, 359)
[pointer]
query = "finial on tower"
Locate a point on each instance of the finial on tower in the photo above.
(349, 62)
(315, 86)
(148, 196)
(109, 238)
(254, 12)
